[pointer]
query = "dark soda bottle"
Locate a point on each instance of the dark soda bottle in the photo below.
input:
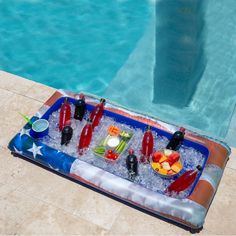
(85, 137)
(132, 164)
(97, 113)
(176, 140)
(66, 135)
(147, 145)
(184, 181)
(65, 114)
(80, 107)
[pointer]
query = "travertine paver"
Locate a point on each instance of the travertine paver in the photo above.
(14, 83)
(10, 120)
(232, 159)
(22, 214)
(36, 201)
(40, 92)
(99, 209)
(221, 216)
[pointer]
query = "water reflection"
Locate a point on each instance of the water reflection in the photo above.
(180, 59)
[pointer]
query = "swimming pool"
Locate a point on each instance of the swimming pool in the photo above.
(108, 48)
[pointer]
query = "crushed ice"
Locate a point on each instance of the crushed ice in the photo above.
(146, 176)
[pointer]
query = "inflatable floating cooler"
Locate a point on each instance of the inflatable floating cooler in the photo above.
(146, 191)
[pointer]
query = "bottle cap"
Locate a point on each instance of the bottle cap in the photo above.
(102, 100)
(66, 99)
(148, 127)
(67, 129)
(81, 96)
(131, 151)
(182, 129)
(199, 168)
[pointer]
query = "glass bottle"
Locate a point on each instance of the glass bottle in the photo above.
(66, 135)
(65, 114)
(184, 181)
(176, 140)
(97, 113)
(80, 107)
(132, 164)
(147, 145)
(85, 137)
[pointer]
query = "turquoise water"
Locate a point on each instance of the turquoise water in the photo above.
(109, 48)
(77, 44)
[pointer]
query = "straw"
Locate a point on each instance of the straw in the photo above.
(26, 118)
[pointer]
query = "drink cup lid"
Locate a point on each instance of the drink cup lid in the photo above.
(182, 129)
(81, 96)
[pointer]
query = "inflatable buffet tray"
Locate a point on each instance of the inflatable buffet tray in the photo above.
(147, 191)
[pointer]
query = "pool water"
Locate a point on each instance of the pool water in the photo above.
(108, 48)
(73, 45)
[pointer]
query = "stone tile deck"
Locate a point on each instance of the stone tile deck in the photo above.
(36, 201)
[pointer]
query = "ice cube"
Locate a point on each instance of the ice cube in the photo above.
(146, 177)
